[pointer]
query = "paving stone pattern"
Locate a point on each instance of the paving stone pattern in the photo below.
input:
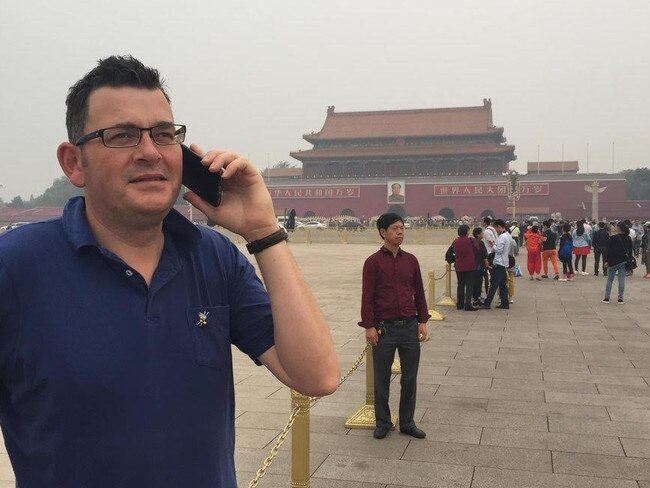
(551, 393)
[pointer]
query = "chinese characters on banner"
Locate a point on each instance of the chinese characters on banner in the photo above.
(316, 192)
(488, 189)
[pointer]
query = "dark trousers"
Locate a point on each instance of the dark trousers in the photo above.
(584, 262)
(598, 252)
(465, 289)
(498, 280)
(405, 340)
(478, 282)
(567, 267)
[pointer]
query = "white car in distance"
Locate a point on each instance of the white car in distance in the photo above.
(314, 225)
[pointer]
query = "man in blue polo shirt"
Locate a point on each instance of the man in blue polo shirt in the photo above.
(116, 320)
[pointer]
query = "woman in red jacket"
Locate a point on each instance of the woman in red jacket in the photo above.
(534, 241)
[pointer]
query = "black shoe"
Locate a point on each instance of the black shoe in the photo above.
(484, 306)
(471, 309)
(505, 307)
(380, 432)
(595, 273)
(414, 432)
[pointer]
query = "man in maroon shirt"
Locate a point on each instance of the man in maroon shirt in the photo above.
(394, 313)
(466, 254)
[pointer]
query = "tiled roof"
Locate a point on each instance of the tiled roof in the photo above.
(282, 173)
(402, 151)
(552, 166)
(407, 123)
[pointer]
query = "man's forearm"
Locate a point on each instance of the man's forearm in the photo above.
(302, 337)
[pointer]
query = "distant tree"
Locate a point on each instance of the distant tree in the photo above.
(57, 195)
(16, 202)
(283, 164)
(637, 183)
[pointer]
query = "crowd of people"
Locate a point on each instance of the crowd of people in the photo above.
(485, 258)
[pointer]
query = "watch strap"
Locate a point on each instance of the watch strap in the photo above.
(268, 241)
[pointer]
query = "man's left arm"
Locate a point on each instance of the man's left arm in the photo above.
(303, 356)
(420, 303)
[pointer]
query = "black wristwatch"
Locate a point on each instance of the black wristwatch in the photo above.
(268, 241)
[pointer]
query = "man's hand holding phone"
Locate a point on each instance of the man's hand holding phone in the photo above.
(245, 206)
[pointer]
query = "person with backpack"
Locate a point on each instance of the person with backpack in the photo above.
(566, 252)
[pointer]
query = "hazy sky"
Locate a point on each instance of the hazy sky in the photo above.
(254, 76)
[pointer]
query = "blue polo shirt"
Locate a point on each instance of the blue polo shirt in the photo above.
(106, 382)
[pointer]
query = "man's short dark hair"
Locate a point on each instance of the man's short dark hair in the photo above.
(500, 223)
(477, 231)
(566, 228)
(601, 225)
(487, 220)
(463, 230)
(386, 220)
(115, 72)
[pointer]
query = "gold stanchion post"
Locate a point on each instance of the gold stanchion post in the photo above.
(364, 416)
(435, 315)
(300, 442)
(446, 300)
(396, 367)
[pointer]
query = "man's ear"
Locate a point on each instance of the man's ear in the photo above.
(382, 233)
(69, 157)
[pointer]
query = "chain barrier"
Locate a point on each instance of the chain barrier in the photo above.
(292, 418)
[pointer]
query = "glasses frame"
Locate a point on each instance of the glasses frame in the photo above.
(99, 134)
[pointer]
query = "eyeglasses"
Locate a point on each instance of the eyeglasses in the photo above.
(163, 135)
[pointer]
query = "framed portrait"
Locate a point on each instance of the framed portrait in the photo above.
(396, 190)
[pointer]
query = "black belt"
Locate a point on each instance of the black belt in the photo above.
(397, 322)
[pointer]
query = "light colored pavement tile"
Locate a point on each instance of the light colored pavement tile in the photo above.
(601, 466)
(636, 447)
(599, 427)
(501, 478)
(595, 378)
(527, 439)
(496, 373)
(602, 400)
(631, 414)
(629, 371)
(250, 460)
(254, 438)
(558, 410)
(563, 386)
(408, 473)
(392, 447)
(624, 390)
(504, 393)
(473, 455)
(453, 380)
(459, 404)
(486, 419)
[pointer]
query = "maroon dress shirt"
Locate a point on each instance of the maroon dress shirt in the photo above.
(465, 252)
(392, 288)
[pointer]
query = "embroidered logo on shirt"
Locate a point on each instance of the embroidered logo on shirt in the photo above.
(203, 319)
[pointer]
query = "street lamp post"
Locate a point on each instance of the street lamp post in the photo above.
(513, 189)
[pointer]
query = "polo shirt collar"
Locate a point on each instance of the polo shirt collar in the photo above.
(75, 224)
(385, 250)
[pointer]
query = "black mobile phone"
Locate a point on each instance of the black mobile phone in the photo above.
(197, 178)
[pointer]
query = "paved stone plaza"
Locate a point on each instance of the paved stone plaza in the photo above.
(551, 393)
